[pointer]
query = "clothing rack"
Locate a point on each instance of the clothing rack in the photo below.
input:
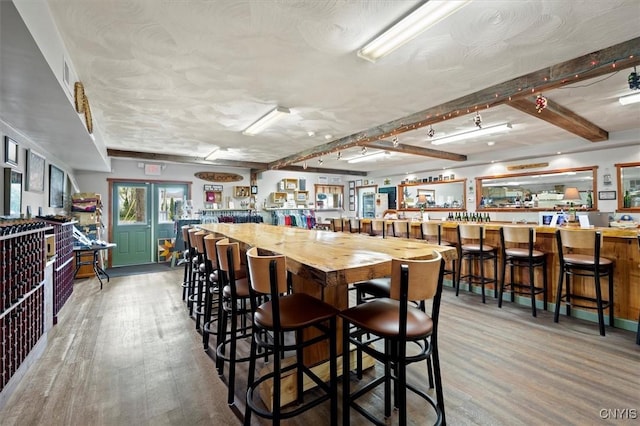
(300, 218)
(231, 216)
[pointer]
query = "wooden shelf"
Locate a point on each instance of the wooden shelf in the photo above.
(241, 191)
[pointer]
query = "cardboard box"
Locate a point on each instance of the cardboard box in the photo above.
(50, 240)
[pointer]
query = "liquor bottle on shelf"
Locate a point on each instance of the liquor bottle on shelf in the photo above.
(626, 201)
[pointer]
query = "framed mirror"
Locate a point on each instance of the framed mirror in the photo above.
(12, 192)
(437, 195)
(628, 186)
(533, 191)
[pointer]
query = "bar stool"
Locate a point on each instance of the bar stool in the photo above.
(395, 325)
(476, 252)
(400, 228)
(518, 257)
(587, 263)
(201, 278)
(432, 233)
(377, 228)
(212, 292)
(235, 303)
(186, 255)
(195, 264)
(295, 313)
(354, 225)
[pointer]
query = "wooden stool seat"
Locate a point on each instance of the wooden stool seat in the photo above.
(522, 253)
(585, 260)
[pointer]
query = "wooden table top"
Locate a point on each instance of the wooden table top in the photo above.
(330, 258)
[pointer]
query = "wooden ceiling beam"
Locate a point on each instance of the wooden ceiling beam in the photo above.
(253, 166)
(595, 64)
(415, 150)
(562, 117)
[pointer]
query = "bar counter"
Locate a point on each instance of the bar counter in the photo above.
(619, 245)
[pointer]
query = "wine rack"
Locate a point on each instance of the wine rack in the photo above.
(64, 267)
(22, 265)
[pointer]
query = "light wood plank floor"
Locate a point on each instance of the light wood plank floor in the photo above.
(129, 354)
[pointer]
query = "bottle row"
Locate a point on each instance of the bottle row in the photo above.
(15, 226)
(466, 217)
(22, 263)
(20, 330)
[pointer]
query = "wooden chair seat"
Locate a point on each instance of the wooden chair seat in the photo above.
(242, 288)
(477, 248)
(380, 317)
(522, 252)
(586, 260)
(297, 310)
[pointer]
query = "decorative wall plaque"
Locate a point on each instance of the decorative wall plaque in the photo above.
(218, 176)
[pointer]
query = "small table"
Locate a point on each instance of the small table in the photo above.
(95, 249)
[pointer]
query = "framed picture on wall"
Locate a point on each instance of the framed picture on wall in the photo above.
(35, 172)
(10, 151)
(56, 187)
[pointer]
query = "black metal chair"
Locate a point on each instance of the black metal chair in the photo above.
(432, 233)
(517, 257)
(471, 247)
(235, 305)
(287, 313)
(579, 253)
(393, 326)
(212, 291)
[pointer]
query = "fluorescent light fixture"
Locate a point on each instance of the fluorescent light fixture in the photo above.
(369, 157)
(629, 99)
(409, 28)
(266, 120)
(472, 134)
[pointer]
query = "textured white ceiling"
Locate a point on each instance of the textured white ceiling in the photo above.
(186, 77)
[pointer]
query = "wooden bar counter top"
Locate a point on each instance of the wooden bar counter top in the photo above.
(324, 263)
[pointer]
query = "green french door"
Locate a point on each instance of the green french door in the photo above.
(143, 221)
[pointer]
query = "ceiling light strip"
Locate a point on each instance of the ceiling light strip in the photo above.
(368, 157)
(266, 120)
(473, 134)
(409, 28)
(629, 99)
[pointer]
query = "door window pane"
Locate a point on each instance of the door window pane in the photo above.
(132, 205)
(170, 203)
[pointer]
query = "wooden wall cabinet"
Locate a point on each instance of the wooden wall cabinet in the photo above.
(241, 191)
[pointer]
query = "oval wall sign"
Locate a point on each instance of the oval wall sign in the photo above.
(218, 176)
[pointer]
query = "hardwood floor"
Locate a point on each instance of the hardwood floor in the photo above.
(129, 354)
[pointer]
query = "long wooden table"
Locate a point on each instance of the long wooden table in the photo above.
(324, 263)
